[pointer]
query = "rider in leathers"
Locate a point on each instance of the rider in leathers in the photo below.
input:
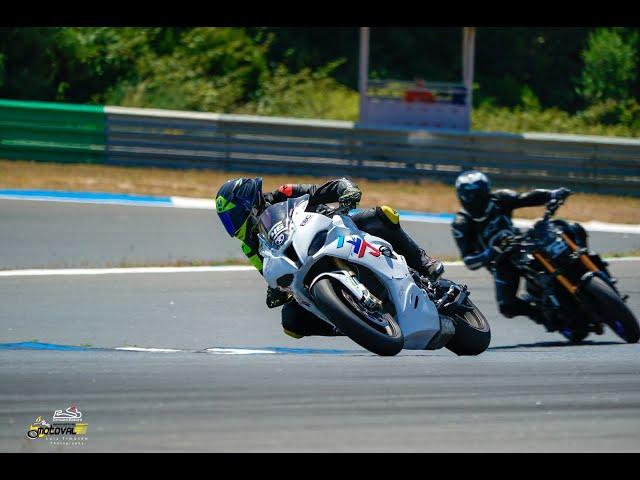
(380, 221)
(485, 216)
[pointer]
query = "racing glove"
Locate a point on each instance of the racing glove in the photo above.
(277, 297)
(350, 197)
(560, 193)
(481, 259)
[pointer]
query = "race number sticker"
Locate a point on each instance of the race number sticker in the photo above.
(276, 230)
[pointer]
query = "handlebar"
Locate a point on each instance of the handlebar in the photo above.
(509, 243)
(552, 207)
(339, 210)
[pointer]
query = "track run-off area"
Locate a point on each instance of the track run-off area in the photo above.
(172, 359)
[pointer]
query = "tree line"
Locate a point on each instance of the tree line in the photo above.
(313, 71)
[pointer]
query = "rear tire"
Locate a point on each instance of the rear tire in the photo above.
(575, 336)
(612, 310)
(329, 299)
(473, 334)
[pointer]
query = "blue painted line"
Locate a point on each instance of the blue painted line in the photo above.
(86, 197)
(153, 201)
(41, 346)
(443, 216)
(424, 216)
(279, 350)
(308, 351)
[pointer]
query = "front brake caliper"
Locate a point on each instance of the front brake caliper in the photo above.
(366, 297)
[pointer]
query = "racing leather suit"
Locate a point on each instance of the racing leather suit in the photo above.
(380, 221)
(474, 237)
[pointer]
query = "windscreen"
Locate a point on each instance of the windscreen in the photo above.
(274, 224)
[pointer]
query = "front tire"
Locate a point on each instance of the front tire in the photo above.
(473, 334)
(612, 310)
(330, 299)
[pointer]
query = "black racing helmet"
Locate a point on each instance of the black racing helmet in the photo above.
(473, 189)
(239, 204)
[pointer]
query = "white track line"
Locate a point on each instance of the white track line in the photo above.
(591, 226)
(222, 268)
(141, 349)
(237, 351)
(108, 271)
(197, 203)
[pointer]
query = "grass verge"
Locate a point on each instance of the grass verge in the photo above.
(403, 195)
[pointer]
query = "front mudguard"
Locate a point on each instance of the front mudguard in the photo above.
(345, 278)
(586, 278)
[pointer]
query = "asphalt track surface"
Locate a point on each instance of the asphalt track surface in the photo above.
(529, 392)
(58, 235)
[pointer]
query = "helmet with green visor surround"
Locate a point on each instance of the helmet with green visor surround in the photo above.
(239, 204)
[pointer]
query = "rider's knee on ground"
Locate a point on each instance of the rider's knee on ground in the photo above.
(508, 309)
(514, 307)
(290, 320)
(298, 322)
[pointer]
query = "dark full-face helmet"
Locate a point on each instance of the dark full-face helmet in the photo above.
(473, 189)
(239, 204)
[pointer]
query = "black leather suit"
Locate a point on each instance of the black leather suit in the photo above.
(474, 239)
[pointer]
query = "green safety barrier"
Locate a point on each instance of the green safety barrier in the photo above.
(48, 131)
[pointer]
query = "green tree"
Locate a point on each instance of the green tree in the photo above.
(208, 69)
(310, 94)
(609, 67)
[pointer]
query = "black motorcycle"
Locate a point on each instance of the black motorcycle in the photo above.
(571, 284)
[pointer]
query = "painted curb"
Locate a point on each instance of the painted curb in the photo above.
(208, 204)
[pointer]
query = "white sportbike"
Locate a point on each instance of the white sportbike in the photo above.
(358, 284)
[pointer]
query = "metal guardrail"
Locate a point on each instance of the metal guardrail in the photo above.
(293, 146)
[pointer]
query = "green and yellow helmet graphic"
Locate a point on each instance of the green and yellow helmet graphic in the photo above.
(236, 202)
(223, 205)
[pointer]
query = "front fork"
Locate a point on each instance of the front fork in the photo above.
(584, 259)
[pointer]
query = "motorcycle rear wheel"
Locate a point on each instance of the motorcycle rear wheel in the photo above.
(473, 334)
(330, 298)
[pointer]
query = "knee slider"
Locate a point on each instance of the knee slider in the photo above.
(292, 334)
(289, 323)
(388, 215)
(507, 309)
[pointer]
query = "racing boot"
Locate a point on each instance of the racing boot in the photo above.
(526, 307)
(429, 266)
(549, 317)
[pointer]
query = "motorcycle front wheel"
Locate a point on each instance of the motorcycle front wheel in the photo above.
(612, 310)
(356, 321)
